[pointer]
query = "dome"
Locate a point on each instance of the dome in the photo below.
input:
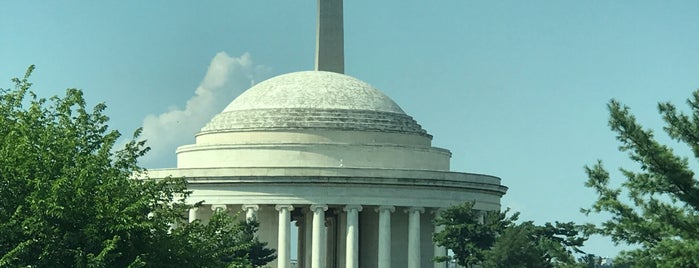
(314, 90)
(314, 100)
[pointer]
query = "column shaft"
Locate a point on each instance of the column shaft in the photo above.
(352, 236)
(319, 243)
(301, 243)
(385, 236)
(193, 214)
(308, 239)
(414, 236)
(284, 236)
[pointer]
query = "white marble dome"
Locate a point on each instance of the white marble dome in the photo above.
(314, 90)
(334, 157)
(313, 100)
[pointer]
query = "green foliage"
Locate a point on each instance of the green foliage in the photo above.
(235, 242)
(530, 249)
(493, 239)
(69, 199)
(661, 215)
(529, 245)
(466, 235)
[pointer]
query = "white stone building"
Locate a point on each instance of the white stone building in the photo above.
(334, 156)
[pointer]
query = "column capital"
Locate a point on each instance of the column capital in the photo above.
(284, 206)
(246, 207)
(250, 211)
(382, 208)
(316, 207)
(352, 207)
(415, 209)
(194, 209)
(219, 207)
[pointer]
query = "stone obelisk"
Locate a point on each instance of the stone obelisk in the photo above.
(330, 50)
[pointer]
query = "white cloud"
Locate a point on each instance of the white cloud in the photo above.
(225, 79)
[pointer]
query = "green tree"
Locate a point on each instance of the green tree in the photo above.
(239, 241)
(227, 241)
(518, 246)
(469, 232)
(590, 260)
(493, 239)
(661, 214)
(529, 245)
(69, 199)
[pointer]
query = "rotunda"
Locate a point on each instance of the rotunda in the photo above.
(332, 154)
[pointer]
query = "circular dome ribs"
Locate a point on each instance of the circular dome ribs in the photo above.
(303, 118)
(314, 100)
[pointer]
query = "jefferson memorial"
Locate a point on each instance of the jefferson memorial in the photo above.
(329, 153)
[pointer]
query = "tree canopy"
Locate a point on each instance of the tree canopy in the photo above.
(469, 232)
(493, 239)
(656, 208)
(69, 198)
(530, 245)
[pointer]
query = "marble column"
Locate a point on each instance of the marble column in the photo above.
(385, 236)
(308, 238)
(352, 236)
(284, 239)
(193, 213)
(329, 236)
(219, 207)
(301, 243)
(439, 250)
(250, 212)
(414, 236)
(318, 247)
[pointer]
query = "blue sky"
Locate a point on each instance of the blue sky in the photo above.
(515, 89)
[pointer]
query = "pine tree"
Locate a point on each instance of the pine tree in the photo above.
(660, 214)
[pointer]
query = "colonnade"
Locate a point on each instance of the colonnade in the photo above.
(319, 237)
